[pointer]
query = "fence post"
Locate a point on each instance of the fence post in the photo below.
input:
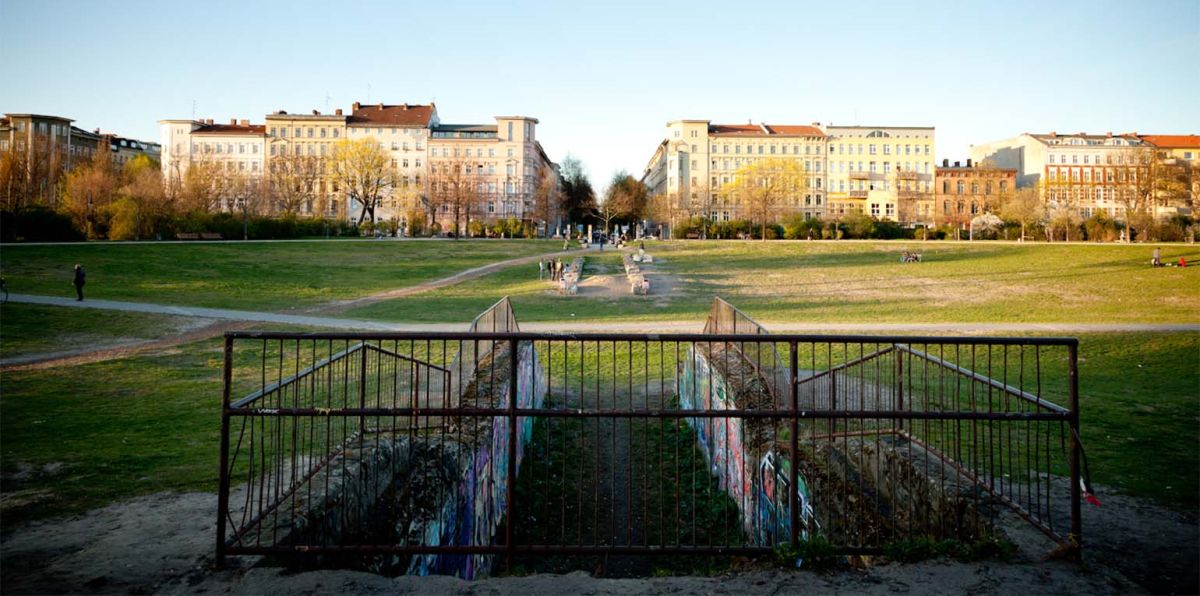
(793, 468)
(362, 392)
(899, 422)
(1073, 420)
(223, 490)
(513, 368)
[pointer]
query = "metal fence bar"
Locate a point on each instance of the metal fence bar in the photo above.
(647, 444)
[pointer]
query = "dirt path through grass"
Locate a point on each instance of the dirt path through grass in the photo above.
(126, 349)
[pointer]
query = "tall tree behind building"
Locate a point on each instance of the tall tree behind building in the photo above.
(579, 199)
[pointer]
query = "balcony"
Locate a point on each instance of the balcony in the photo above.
(860, 175)
(858, 194)
(907, 174)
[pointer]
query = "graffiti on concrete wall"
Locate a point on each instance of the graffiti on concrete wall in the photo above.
(757, 482)
(478, 505)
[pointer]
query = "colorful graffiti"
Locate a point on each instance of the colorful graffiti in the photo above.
(478, 505)
(759, 489)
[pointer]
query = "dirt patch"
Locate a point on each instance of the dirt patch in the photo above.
(606, 282)
(164, 543)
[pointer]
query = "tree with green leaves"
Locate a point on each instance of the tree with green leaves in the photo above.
(624, 200)
(763, 186)
(579, 200)
(364, 172)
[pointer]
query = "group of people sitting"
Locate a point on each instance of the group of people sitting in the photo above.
(910, 257)
(1156, 260)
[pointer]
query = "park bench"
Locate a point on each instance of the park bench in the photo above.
(210, 236)
(187, 236)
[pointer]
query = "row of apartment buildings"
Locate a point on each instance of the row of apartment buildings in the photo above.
(502, 161)
(43, 147)
(889, 172)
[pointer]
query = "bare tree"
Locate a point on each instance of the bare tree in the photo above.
(363, 172)
(547, 196)
(202, 187)
(248, 195)
(455, 189)
(1024, 207)
(31, 175)
(1136, 188)
(293, 182)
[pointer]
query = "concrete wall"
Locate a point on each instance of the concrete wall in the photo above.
(755, 477)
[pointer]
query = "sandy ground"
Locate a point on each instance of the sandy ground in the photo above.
(164, 544)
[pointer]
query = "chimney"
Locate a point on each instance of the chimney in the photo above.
(381, 106)
(233, 121)
(1108, 134)
(337, 112)
(97, 131)
(958, 164)
(404, 107)
(316, 113)
(968, 162)
(945, 163)
(244, 122)
(1053, 134)
(208, 122)
(817, 124)
(355, 106)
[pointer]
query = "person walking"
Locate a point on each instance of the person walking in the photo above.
(541, 269)
(80, 279)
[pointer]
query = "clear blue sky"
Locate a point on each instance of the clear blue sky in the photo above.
(604, 77)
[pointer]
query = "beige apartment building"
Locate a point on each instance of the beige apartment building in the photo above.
(295, 139)
(402, 132)
(697, 162)
(502, 162)
(886, 172)
(1081, 172)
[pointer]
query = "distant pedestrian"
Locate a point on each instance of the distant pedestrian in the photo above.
(1182, 262)
(541, 269)
(80, 279)
(1156, 258)
(566, 244)
(4, 288)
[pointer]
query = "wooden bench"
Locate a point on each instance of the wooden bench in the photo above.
(210, 236)
(187, 236)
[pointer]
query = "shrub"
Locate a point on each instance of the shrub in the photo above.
(38, 224)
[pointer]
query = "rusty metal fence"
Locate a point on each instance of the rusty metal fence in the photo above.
(437, 452)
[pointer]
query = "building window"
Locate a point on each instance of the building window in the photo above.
(961, 186)
(974, 188)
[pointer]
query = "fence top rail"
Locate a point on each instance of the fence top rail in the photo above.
(652, 337)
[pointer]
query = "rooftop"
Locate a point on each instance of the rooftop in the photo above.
(393, 115)
(1173, 141)
(231, 129)
(765, 130)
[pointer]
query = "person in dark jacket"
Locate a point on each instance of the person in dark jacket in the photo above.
(80, 279)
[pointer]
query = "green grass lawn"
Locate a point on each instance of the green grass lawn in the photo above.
(33, 329)
(857, 282)
(258, 275)
(80, 437)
